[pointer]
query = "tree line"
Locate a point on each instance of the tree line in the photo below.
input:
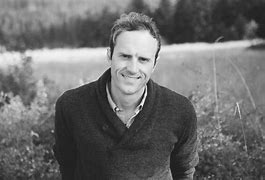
(47, 25)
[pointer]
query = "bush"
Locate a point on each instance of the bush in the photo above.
(19, 80)
(231, 142)
(26, 130)
(251, 30)
(26, 139)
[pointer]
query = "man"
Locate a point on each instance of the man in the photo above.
(124, 125)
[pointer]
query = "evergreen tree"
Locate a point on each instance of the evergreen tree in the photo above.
(163, 17)
(256, 12)
(183, 22)
(138, 6)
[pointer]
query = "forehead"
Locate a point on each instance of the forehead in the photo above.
(141, 41)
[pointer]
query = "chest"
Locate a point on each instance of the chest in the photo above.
(96, 133)
(143, 149)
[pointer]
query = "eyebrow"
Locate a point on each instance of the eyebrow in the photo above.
(122, 53)
(128, 54)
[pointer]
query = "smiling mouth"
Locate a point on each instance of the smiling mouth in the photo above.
(132, 77)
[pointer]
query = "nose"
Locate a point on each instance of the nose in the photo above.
(132, 66)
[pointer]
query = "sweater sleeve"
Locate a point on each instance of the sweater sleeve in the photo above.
(184, 156)
(64, 148)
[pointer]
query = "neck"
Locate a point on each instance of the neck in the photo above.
(126, 101)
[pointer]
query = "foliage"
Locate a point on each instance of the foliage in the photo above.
(163, 18)
(250, 30)
(232, 148)
(26, 136)
(25, 145)
(37, 24)
(19, 80)
(138, 6)
(95, 32)
(257, 13)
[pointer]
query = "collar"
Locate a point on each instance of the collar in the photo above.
(116, 109)
(122, 132)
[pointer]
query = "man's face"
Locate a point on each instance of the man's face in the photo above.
(132, 62)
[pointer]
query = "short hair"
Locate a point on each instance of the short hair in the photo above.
(133, 22)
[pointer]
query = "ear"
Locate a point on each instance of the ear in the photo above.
(155, 63)
(108, 54)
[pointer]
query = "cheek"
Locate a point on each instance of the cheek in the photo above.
(118, 65)
(149, 71)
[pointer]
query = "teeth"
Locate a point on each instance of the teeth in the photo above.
(136, 77)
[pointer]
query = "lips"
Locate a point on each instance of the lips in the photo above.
(129, 76)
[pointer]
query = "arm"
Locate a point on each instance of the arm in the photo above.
(184, 156)
(64, 148)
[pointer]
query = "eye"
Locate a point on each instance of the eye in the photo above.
(142, 59)
(125, 56)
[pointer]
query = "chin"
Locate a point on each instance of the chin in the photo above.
(129, 92)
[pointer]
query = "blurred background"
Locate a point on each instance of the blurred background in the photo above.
(86, 23)
(213, 52)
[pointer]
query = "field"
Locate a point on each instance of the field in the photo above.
(233, 152)
(183, 68)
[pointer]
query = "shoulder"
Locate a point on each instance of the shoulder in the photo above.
(76, 94)
(173, 98)
(179, 105)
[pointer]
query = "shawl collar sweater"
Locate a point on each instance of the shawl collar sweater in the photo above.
(91, 142)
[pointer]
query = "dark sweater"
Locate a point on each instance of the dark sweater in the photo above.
(92, 143)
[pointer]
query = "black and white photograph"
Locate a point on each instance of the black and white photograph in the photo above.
(132, 90)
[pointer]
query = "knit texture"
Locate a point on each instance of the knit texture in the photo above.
(91, 142)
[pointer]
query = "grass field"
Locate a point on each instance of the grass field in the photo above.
(183, 68)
